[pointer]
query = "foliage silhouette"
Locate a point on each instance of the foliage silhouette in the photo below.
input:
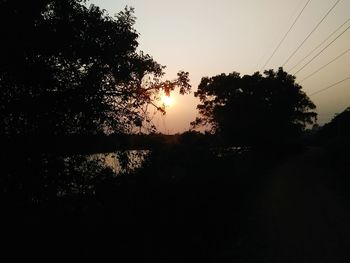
(68, 73)
(339, 126)
(72, 70)
(69, 69)
(335, 137)
(254, 109)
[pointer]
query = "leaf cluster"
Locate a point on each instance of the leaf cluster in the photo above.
(253, 108)
(71, 69)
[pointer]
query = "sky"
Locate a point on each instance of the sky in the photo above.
(207, 38)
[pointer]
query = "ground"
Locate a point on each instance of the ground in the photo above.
(298, 215)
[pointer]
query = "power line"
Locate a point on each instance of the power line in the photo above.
(319, 53)
(331, 86)
(289, 19)
(284, 37)
(313, 73)
(325, 40)
(312, 31)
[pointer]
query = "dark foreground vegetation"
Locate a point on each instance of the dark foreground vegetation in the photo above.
(72, 85)
(189, 201)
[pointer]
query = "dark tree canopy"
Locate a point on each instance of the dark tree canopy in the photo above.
(66, 68)
(253, 109)
(338, 127)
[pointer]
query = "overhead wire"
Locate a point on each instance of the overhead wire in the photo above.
(290, 18)
(312, 31)
(286, 34)
(319, 53)
(330, 62)
(328, 87)
(319, 45)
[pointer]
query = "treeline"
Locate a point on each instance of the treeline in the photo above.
(335, 138)
(72, 83)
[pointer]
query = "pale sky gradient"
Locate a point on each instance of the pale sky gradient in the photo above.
(209, 37)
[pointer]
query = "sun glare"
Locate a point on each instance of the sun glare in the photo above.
(167, 101)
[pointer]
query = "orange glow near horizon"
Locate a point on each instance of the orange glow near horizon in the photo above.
(232, 41)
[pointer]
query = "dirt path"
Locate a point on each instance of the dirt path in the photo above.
(299, 217)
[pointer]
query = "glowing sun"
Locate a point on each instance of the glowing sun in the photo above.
(167, 101)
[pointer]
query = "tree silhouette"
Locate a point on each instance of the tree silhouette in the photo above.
(254, 109)
(69, 69)
(339, 126)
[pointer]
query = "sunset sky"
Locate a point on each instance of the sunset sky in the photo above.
(207, 37)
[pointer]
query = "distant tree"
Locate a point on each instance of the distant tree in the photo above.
(339, 126)
(254, 109)
(335, 138)
(66, 69)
